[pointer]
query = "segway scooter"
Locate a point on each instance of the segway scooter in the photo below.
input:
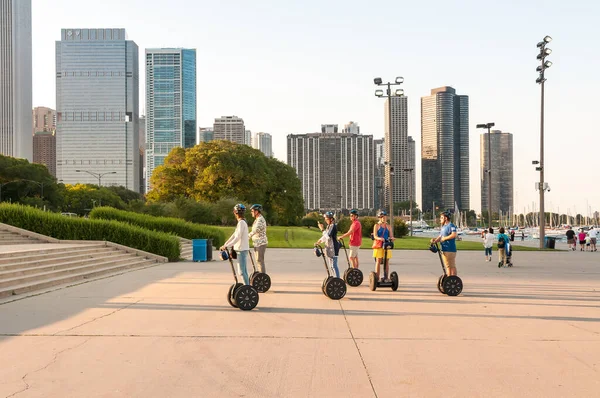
(244, 297)
(333, 287)
(352, 276)
(260, 280)
(374, 282)
(447, 284)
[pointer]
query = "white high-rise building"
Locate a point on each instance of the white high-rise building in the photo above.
(264, 143)
(396, 149)
(230, 128)
(16, 137)
(97, 102)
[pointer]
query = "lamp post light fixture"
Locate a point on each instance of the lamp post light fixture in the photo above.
(388, 141)
(541, 69)
(97, 175)
(488, 126)
(410, 194)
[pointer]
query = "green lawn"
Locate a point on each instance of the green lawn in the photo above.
(302, 237)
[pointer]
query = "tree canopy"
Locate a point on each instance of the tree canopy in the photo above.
(219, 169)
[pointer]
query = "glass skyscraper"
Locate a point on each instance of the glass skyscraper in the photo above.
(170, 104)
(97, 102)
(445, 150)
(502, 171)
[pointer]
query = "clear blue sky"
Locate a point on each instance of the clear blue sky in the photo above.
(288, 67)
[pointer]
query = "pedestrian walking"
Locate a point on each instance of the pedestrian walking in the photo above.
(259, 236)
(581, 237)
(355, 233)
(571, 238)
(593, 233)
(488, 243)
(503, 240)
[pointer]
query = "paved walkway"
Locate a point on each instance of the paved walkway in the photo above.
(167, 331)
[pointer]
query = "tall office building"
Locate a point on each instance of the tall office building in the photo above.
(142, 146)
(379, 176)
(445, 149)
(248, 138)
(264, 143)
(205, 134)
(44, 150)
(15, 79)
(97, 102)
(336, 169)
(412, 163)
(44, 119)
(351, 128)
(230, 128)
(502, 171)
(170, 104)
(396, 149)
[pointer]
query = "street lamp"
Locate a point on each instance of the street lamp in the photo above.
(541, 69)
(410, 193)
(388, 140)
(488, 126)
(97, 175)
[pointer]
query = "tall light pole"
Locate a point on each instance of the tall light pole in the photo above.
(410, 193)
(388, 140)
(488, 126)
(544, 52)
(97, 175)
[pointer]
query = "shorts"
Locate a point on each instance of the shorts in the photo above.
(593, 241)
(354, 251)
(570, 241)
(582, 242)
(488, 251)
(378, 253)
(449, 259)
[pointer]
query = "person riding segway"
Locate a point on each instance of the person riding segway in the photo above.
(353, 276)
(383, 244)
(333, 286)
(449, 283)
(259, 278)
(244, 297)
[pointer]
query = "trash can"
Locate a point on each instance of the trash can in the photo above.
(209, 249)
(199, 247)
(549, 242)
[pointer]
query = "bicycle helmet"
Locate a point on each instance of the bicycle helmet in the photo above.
(354, 211)
(329, 215)
(239, 208)
(256, 207)
(446, 214)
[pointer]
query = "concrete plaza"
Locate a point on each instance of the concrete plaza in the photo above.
(167, 331)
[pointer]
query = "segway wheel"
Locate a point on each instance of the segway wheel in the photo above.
(373, 281)
(452, 285)
(335, 288)
(246, 297)
(354, 277)
(261, 281)
(440, 284)
(231, 294)
(395, 281)
(325, 283)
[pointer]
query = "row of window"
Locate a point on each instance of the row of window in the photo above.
(94, 116)
(82, 162)
(94, 74)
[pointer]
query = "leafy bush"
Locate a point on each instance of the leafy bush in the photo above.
(176, 226)
(309, 222)
(67, 228)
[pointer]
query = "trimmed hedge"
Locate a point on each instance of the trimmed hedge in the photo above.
(68, 228)
(175, 226)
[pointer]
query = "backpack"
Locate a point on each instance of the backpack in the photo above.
(501, 242)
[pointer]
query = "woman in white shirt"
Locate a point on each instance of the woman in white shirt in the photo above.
(239, 240)
(488, 243)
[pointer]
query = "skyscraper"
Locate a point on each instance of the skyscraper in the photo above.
(170, 104)
(502, 171)
(412, 165)
(351, 128)
(44, 150)
(248, 138)
(15, 79)
(142, 145)
(264, 143)
(396, 141)
(44, 119)
(97, 102)
(336, 169)
(230, 128)
(379, 176)
(445, 149)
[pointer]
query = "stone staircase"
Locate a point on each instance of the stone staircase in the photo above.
(30, 262)
(14, 238)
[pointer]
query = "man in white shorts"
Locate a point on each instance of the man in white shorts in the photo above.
(355, 233)
(593, 234)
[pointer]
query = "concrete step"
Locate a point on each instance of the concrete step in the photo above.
(36, 254)
(10, 263)
(19, 241)
(88, 268)
(66, 263)
(141, 262)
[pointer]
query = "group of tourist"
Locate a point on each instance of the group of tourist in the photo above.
(587, 240)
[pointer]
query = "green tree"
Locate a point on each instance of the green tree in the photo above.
(125, 194)
(404, 208)
(82, 198)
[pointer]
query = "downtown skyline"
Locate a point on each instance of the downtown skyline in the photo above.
(504, 91)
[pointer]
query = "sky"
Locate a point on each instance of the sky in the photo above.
(288, 67)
